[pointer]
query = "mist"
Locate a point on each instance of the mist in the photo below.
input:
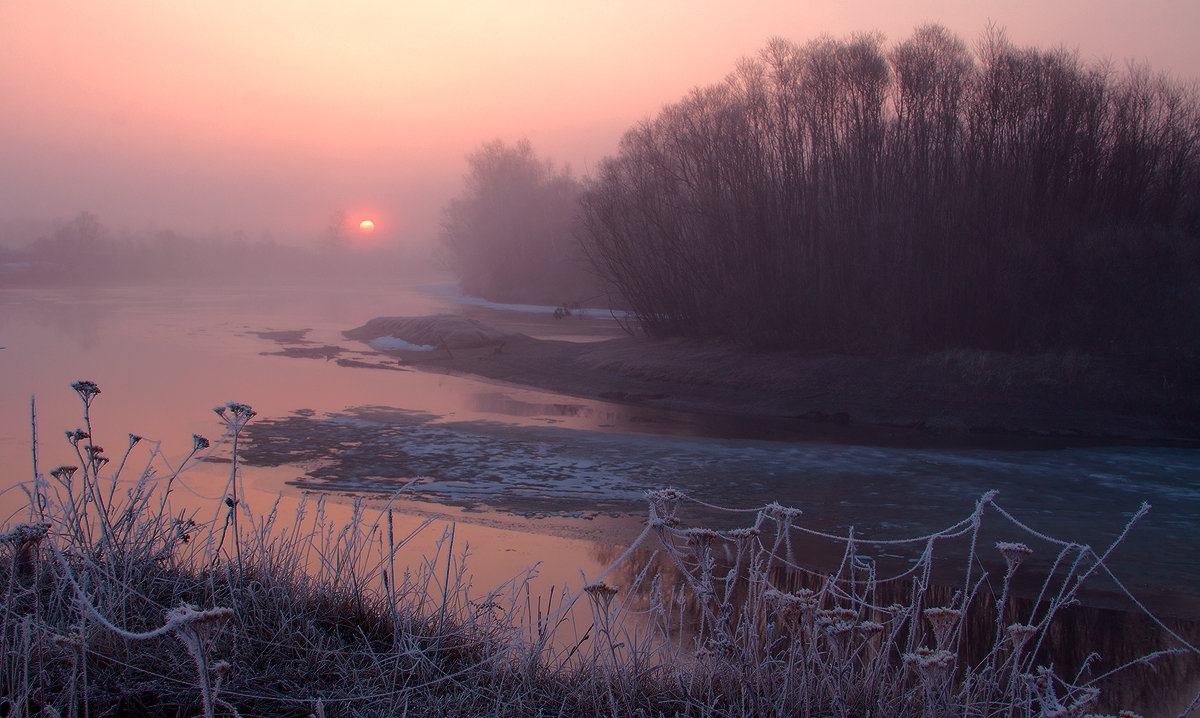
(86, 252)
(223, 118)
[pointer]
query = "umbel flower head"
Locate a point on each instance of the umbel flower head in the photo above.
(943, 620)
(601, 594)
(21, 534)
(239, 411)
(600, 588)
(87, 390)
(64, 473)
(931, 664)
(1014, 553)
(235, 415)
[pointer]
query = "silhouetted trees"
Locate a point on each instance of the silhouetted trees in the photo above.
(510, 235)
(840, 194)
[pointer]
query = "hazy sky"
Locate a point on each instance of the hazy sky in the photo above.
(270, 116)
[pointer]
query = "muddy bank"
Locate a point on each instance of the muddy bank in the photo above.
(964, 396)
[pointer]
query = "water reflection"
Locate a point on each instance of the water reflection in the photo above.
(494, 402)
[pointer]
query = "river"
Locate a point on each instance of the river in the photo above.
(529, 476)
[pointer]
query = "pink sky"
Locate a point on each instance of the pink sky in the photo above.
(271, 116)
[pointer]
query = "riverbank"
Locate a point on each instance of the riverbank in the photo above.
(964, 397)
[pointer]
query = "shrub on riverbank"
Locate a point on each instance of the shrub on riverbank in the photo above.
(114, 602)
(843, 195)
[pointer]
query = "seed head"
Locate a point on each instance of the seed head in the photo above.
(1020, 633)
(26, 534)
(838, 628)
(780, 512)
(87, 390)
(743, 533)
(600, 588)
(241, 410)
(789, 604)
(199, 442)
(930, 662)
(1014, 553)
(64, 473)
(701, 537)
(943, 619)
(662, 495)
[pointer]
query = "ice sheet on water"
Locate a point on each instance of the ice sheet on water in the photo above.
(470, 461)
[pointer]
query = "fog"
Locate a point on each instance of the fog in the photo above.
(218, 119)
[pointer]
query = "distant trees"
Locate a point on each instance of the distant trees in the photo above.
(840, 194)
(511, 235)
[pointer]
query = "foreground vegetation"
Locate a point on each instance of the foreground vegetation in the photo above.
(116, 603)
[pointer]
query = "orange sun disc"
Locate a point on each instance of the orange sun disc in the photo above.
(367, 226)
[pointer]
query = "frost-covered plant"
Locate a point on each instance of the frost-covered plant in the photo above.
(330, 618)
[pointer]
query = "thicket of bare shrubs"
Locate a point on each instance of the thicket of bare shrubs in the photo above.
(117, 604)
(842, 194)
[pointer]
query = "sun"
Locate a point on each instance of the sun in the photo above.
(366, 226)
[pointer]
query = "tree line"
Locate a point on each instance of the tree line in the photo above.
(844, 195)
(841, 195)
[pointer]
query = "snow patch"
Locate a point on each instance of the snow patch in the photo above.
(391, 344)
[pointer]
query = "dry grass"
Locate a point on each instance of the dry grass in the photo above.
(116, 604)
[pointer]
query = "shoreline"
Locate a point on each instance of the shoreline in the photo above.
(962, 398)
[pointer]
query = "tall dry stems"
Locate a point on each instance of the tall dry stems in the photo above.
(314, 616)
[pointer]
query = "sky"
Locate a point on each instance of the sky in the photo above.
(269, 117)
